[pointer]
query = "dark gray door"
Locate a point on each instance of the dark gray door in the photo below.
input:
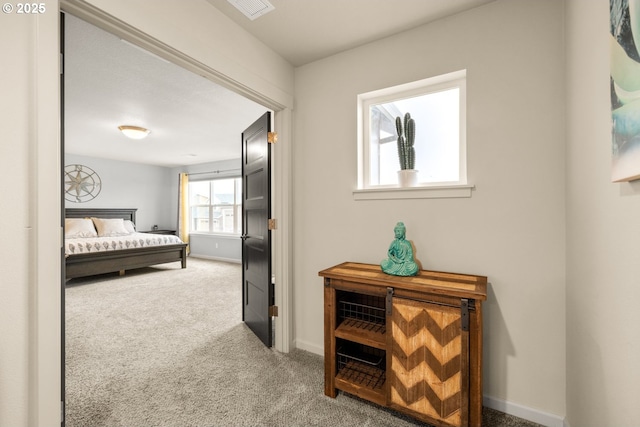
(257, 292)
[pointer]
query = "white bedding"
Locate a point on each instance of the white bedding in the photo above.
(130, 241)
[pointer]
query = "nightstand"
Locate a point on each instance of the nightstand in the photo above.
(170, 232)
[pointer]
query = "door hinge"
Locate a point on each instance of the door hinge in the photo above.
(389, 303)
(272, 137)
(273, 311)
(272, 224)
(464, 314)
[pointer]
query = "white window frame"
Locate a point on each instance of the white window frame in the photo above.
(237, 210)
(367, 191)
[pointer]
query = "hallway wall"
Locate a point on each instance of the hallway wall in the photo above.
(603, 231)
(512, 229)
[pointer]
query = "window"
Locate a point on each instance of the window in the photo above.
(216, 206)
(438, 106)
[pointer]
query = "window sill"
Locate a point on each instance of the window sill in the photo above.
(435, 192)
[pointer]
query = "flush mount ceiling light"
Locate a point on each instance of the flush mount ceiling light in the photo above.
(134, 132)
(252, 9)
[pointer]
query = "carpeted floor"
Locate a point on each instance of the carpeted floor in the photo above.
(164, 346)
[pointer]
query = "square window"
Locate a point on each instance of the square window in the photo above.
(437, 105)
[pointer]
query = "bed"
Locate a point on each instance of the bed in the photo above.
(118, 255)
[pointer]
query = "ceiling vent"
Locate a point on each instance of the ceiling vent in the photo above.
(252, 9)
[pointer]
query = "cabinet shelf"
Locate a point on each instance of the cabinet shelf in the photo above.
(361, 369)
(362, 380)
(362, 373)
(362, 319)
(360, 331)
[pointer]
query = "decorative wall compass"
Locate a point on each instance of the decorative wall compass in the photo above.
(81, 183)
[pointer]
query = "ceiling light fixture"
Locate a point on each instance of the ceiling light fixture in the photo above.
(134, 132)
(252, 9)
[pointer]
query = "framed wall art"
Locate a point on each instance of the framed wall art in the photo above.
(625, 89)
(81, 183)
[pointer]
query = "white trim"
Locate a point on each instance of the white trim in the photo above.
(510, 408)
(524, 412)
(455, 79)
(310, 347)
(435, 192)
(282, 241)
(45, 257)
(215, 258)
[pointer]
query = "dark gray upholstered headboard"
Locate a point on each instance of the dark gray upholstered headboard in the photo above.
(124, 213)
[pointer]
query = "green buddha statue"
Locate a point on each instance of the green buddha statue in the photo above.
(400, 261)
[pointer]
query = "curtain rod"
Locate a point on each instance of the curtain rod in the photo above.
(216, 171)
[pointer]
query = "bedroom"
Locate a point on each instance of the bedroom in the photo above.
(565, 176)
(110, 82)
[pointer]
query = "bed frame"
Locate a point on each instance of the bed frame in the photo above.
(89, 264)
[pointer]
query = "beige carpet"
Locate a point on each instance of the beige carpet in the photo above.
(164, 346)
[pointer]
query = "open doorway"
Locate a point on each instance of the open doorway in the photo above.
(195, 125)
(127, 166)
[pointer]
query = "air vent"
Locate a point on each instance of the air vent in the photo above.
(252, 9)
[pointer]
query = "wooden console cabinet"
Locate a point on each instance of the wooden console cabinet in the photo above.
(413, 344)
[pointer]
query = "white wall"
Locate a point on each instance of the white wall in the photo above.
(216, 246)
(150, 189)
(512, 229)
(603, 231)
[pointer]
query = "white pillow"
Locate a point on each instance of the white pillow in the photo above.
(79, 227)
(110, 227)
(129, 226)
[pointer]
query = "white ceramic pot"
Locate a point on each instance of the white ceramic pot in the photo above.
(408, 177)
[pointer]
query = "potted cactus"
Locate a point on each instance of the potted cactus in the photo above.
(407, 175)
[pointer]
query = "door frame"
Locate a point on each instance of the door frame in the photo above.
(281, 154)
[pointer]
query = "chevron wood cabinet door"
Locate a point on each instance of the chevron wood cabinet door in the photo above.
(413, 344)
(429, 366)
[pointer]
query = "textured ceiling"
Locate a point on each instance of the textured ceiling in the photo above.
(109, 83)
(302, 31)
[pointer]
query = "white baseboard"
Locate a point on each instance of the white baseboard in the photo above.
(307, 346)
(215, 258)
(524, 412)
(510, 408)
